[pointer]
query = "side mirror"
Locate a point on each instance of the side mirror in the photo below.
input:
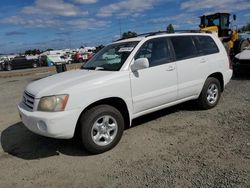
(234, 17)
(139, 64)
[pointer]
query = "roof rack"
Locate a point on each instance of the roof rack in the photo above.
(165, 32)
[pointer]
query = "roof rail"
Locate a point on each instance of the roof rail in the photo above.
(165, 32)
(175, 31)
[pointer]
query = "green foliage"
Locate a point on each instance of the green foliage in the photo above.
(170, 28)
(98, 48)
(245, 28)
(129, 34)
(32, 52)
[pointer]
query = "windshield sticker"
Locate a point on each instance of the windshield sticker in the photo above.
(126, 49)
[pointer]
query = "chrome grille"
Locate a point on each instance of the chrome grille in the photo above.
(28, 100)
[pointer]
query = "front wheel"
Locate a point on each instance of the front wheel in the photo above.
(210, 94)
(9, 67)
(101, 128)
(34, 65)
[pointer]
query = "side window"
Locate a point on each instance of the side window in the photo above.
(205, 45)
(156, 51)
(184, 47)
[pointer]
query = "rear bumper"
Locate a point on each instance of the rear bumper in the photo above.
(50, 124)
(227, 76)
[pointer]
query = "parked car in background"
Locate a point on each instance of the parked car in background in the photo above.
(43, 60)
(79, 57)
(4, 60)
(1, 64)
(19, 62)
(66, 59)
(241, 62)
(110, 55)
(55, 59)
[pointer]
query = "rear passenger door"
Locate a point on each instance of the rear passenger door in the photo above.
(192, 68)
(156, 85)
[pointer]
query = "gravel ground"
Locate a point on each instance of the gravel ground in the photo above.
(176, 147)
(35, 71)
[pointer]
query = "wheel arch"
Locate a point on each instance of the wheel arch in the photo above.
(218, 76)
(116, 102)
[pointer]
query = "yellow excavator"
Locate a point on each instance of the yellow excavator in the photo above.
(221, 25)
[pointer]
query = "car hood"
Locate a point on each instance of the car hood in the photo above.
(244, 55)
(62, 82)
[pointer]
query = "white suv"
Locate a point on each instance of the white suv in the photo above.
(147, 74)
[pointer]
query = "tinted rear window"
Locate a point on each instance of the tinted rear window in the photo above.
(205, 45)
(184, 47)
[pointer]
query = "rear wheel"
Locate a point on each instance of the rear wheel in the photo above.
(9, 67)
(101, 128)
(34, 65)
(210, 94)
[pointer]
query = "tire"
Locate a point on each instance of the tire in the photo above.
(235, 71)
(243, 45)
(240, 45)
(9, 67)
(210, 94)
(80, 60)
(105, 121)
(1, 67)
(34, 65)
(69, 62)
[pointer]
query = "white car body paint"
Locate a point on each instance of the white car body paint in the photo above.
(144, 91)
(1, 148)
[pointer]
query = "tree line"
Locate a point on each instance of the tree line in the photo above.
(130, 34)
(245, 28)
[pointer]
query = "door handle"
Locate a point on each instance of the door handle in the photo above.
(170, 68)
(203, 61)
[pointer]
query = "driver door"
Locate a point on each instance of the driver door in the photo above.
(156, 85)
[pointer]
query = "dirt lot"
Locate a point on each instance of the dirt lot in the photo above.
(177, 147)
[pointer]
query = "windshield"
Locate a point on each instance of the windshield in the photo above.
(111, 58)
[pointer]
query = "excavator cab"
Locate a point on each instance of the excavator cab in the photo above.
(218, 22)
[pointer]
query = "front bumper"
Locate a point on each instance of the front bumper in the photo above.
(50, 124)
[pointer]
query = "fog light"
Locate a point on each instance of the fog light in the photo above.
(42, 126)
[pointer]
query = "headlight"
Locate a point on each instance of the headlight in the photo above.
(55, 103)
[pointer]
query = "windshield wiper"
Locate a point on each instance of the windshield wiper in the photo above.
(99, 68)
(88, 68)
(93, 68)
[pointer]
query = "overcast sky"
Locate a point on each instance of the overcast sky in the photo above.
(43, 24)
